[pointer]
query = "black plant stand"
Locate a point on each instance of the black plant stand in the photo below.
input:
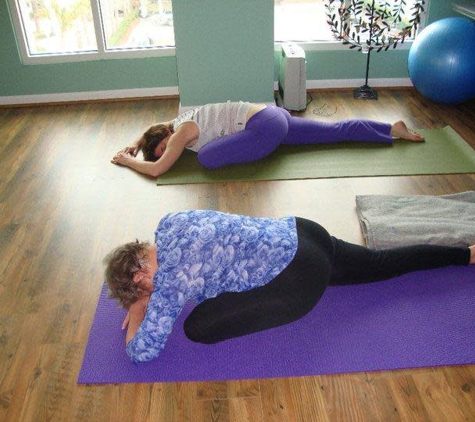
(365, 92)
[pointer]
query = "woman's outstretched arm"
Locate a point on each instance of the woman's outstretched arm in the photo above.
(175, 146)
(150, 168)
(135, 147)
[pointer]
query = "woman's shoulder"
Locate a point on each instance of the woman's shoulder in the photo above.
(186, 116)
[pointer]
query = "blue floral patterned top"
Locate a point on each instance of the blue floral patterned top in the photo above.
(202, 254)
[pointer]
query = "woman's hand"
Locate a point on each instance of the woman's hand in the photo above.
(122, 158)
(133, 150)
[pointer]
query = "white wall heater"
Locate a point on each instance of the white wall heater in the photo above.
(292, 78)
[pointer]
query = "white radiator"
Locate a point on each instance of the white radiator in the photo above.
(292, 78)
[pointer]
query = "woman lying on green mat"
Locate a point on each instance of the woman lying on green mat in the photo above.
(240, 132)
(247, 274)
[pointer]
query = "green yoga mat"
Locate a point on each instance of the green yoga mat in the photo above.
(443, 152)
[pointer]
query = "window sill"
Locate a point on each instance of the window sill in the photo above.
(95, 55)
(329, 45)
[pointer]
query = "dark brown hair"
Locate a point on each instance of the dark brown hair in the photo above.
(152, 137)
(121, 265)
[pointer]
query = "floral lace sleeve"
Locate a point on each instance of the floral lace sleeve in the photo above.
(151, 337)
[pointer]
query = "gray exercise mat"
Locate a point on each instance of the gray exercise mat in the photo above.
(390, 221)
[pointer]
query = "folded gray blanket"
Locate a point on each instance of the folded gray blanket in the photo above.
(390, 221)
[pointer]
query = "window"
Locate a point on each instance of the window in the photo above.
(301, 21)
(305, 21)
(67, 30)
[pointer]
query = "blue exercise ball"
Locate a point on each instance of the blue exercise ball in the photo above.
(442, 61)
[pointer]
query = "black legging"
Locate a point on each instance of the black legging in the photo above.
(321, 260)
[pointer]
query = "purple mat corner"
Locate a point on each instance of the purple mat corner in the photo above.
(422, 319)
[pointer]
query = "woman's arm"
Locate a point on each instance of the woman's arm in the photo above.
(135, 317)
(151, 335)
(184, 136)
(134, 148)
(145, 167)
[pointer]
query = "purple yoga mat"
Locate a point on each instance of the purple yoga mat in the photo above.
(422, 319)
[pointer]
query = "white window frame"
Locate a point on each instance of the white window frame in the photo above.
(329, 45)
(145, 52)
(100, 54)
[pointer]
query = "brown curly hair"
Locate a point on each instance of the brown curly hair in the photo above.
(121, 265)
(152, 137)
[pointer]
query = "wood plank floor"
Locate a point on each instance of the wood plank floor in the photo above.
(63, 206)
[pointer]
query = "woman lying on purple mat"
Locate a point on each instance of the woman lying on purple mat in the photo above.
(240, 132)
(247, 274)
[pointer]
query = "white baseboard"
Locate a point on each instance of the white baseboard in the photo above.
(173, 91)
(183, 109)
(88, 96)
(353, 83)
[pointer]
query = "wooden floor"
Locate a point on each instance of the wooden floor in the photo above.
(63, 206)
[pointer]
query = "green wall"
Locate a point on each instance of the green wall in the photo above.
(440, 9)
(224, 50)
(323, 64)
(17, 79)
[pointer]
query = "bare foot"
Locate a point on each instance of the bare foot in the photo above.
(400, 130)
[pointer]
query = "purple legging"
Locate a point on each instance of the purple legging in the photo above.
(273, 126)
